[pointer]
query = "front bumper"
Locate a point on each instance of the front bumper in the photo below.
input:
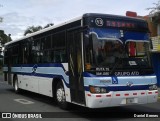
(120, 98)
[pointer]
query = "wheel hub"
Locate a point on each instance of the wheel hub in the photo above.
(16, 86)
(60, 95)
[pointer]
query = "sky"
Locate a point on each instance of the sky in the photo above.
(18, 15)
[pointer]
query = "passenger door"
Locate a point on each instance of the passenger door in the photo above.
(74, 42)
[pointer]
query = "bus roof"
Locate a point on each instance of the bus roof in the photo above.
(75, 19)
(44, 30)
(112, 16)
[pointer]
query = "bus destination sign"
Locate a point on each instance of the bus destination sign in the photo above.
(128, 24)
(120, 24)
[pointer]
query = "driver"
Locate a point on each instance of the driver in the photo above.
(108, 48)
(117, 50)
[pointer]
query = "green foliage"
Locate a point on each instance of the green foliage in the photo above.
(4, 38)
(48, 25)
(32, 29)
(156, 8)
(155, 12)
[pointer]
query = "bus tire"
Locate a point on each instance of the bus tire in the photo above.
(16, 87)
(60, 96)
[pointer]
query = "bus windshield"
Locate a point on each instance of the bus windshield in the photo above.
(106, 48)
(106, 51)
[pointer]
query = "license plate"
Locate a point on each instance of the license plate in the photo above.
(129, 100)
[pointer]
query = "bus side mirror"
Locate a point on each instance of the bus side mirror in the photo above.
(90, 40)
(151, 44)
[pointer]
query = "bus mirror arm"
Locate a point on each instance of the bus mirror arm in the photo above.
(151, 44)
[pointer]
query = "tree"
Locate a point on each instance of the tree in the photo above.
(4, 38)
(155, 12)
(32, 29)
(48, 25)
(156, 8)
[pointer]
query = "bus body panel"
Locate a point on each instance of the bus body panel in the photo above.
(120, 98)
(41, 80)
(120, 92)
(120, 81)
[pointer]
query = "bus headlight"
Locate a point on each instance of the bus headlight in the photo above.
(153, 87)
(94, 89)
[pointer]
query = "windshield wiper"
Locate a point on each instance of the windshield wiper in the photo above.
(116, 64)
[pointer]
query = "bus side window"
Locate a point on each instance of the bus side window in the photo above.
(25, 55)
(63, 56)
(59, 56)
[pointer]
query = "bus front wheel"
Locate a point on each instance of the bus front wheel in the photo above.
(60, 96)
(16, 87)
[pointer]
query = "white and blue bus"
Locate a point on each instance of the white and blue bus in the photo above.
(96, 61)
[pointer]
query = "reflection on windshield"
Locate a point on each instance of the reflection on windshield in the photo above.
(106, 51)
(136, 49)
(104, 48)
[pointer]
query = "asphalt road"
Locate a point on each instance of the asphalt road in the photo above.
(27, 103)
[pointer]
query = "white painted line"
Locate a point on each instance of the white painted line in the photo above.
(23, 101)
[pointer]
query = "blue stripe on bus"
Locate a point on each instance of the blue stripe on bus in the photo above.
(86, 74)
(39, 65)
(43, 75)
(123, 88)
(109, 88)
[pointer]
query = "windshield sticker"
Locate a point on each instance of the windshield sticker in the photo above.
(132, 63)
(122, 34)
(102, 71)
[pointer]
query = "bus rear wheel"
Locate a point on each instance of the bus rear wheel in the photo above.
(16, 87)
(60, 96)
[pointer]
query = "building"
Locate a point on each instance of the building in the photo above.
(154, 27)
